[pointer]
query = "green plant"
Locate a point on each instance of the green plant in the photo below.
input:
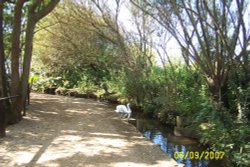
(44, 82)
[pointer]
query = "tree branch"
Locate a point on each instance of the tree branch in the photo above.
(45, 10)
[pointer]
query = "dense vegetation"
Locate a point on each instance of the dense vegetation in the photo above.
(83, 49)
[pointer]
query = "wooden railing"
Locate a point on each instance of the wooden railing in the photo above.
(3, 114)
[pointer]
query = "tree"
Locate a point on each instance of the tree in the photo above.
(90, 49)
(37, 10)
(213, 35)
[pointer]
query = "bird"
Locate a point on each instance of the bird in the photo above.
(124, 110)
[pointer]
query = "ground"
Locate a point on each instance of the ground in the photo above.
(72, 132)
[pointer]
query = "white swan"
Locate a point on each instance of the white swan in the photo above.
(125, 111)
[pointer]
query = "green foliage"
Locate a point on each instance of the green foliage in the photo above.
(221, 131)
(45, 82)
(33, 78)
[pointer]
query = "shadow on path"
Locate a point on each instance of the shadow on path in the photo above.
(62, 131)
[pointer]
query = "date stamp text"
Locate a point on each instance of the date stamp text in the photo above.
(208, 155)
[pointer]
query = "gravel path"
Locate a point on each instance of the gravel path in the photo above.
(71, 132)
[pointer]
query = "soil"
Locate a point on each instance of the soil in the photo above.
(62, 131)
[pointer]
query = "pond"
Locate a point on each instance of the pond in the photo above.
(172, 145)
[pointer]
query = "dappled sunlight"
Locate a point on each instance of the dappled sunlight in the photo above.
(106, 134)
(24, 156)
(67, 145)
(91, 125)
(15, 158)
(76, 102)
(98, 108)
(126, 164)
(62, 131)
(32, 118)
(49, 112)
(69, 131)
(107, 145)
(76, 111)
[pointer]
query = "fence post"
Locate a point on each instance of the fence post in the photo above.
(2, 120)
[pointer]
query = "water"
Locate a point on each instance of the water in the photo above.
(172, 145)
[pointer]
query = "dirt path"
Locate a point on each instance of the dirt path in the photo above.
(69, 132)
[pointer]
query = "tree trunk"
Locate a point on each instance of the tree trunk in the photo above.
(27, 60)
(15, 115)
(3, 87)
(218, 91)
(15, 44)
(3, 91)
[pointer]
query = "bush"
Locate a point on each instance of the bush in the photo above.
(221, 132)
(42, 83)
